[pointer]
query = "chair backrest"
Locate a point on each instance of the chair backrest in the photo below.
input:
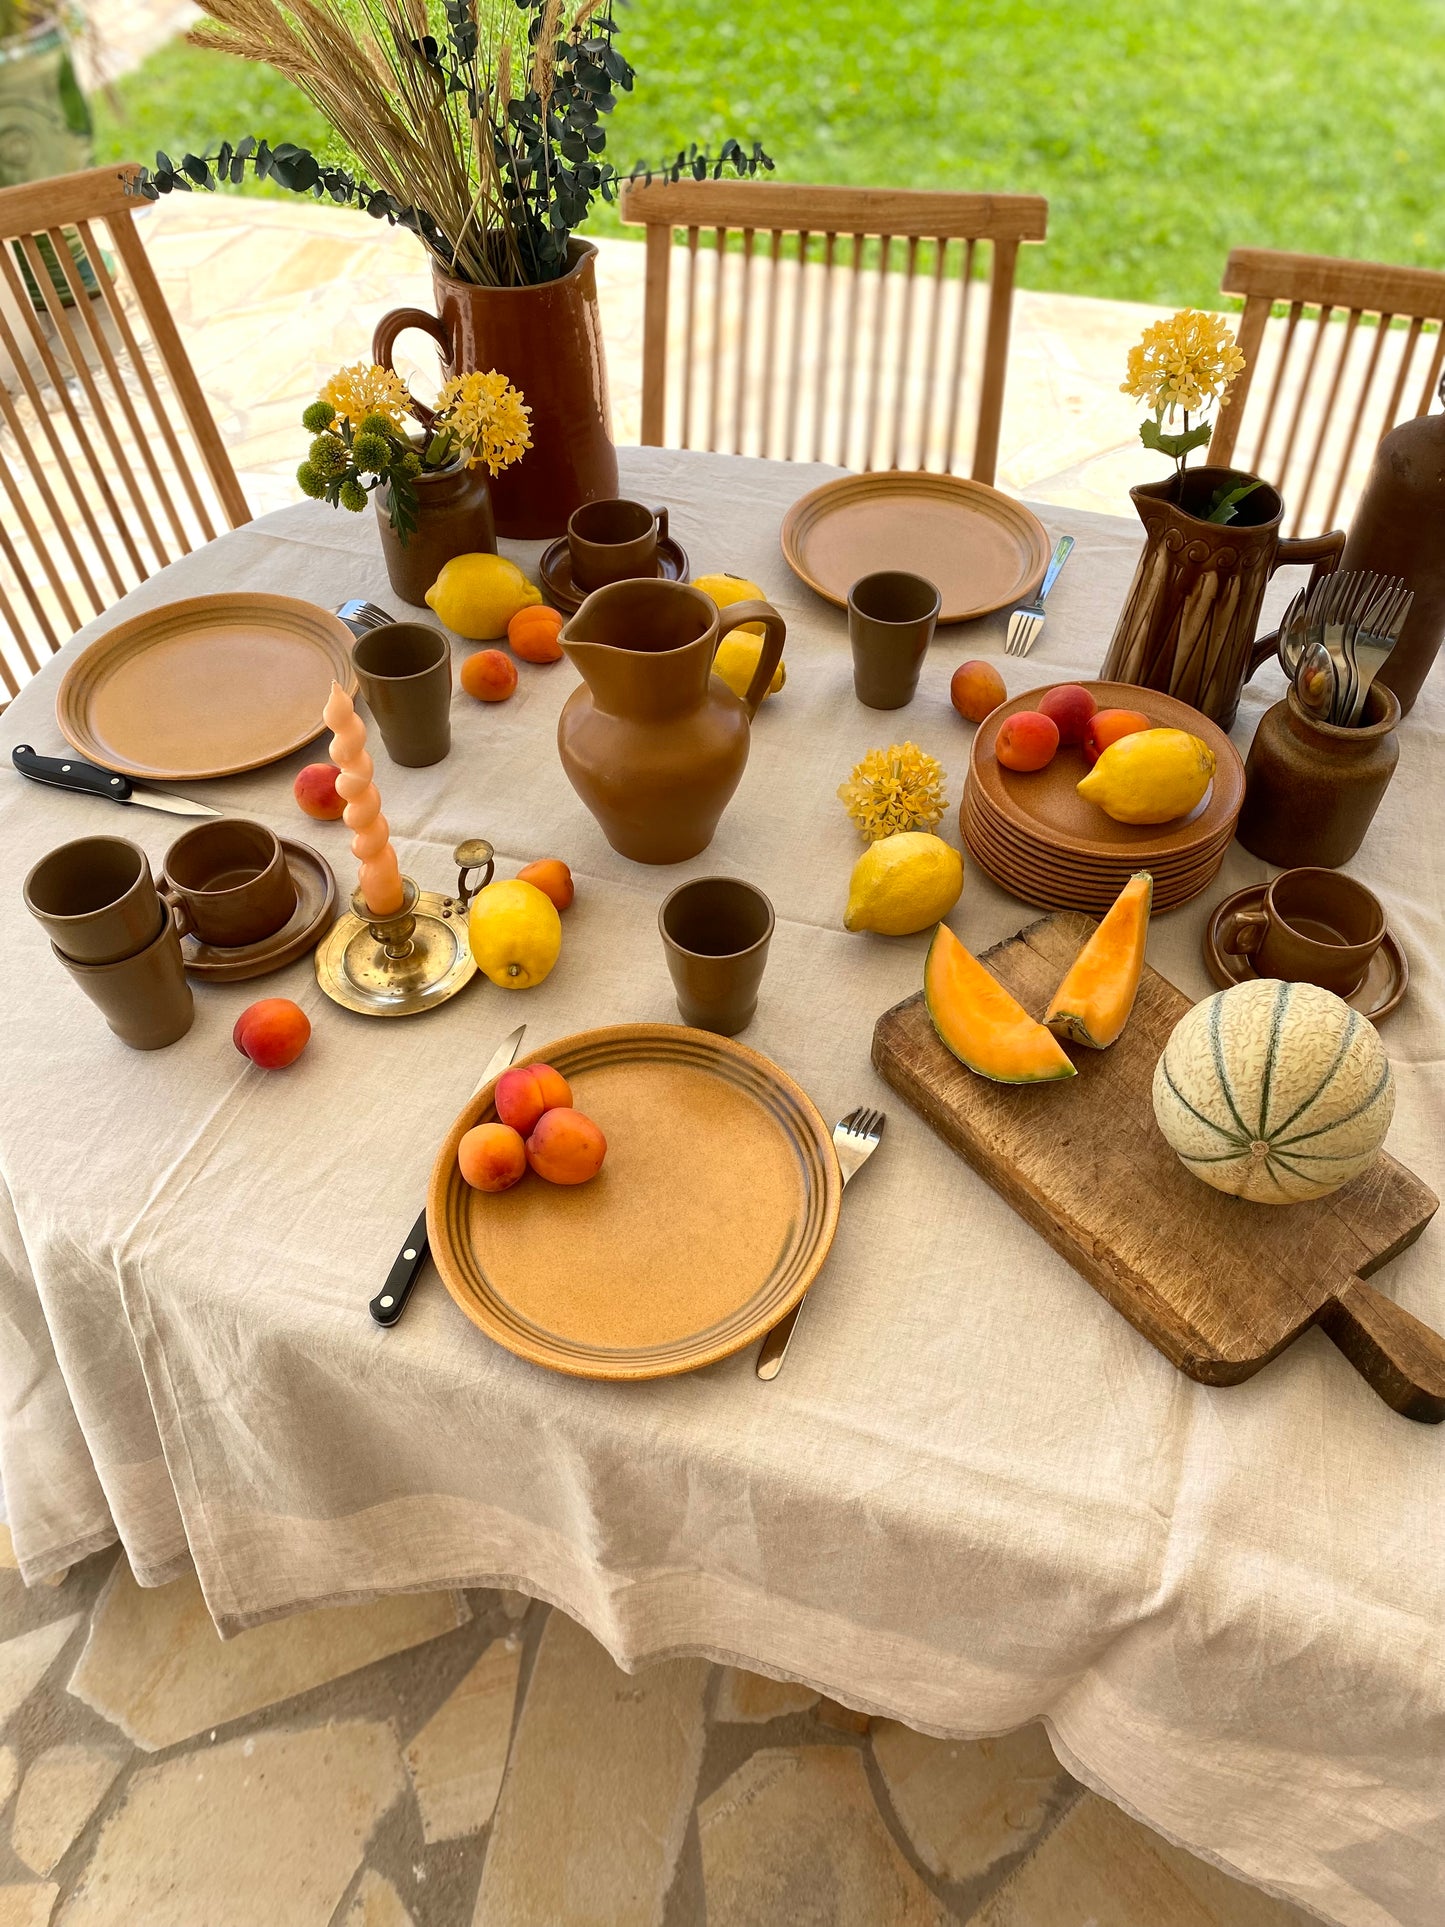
(102, 420)
(1329, 393)
(796, 340)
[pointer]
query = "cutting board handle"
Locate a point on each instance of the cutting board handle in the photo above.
(1403, 1359)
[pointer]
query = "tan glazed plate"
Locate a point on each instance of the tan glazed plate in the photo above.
(711, 1217)
(206, 687)
(982, 549)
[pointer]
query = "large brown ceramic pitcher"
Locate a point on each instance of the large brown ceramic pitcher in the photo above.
(651, 740)
(547, 341)
(1187, 625)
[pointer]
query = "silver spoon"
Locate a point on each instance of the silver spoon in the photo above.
(1316, 682)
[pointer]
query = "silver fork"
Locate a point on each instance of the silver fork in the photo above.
(1024, 624)
(1377, 635)
(855, 1138)
(359, 616)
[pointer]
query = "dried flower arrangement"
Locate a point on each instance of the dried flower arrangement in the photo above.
(894, 789)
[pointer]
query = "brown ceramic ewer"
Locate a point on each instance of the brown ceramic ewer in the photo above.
(1311, 789)
(651, 740)
(453, 517)
(1188, 621)
(547, 341)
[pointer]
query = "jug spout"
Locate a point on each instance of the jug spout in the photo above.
(643, 648)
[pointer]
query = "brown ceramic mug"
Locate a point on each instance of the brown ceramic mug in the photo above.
(614, 542)
(1316, 927)
(144, 998)
(716, 932)
(229, 882)
(891, 618)
(96, 898)
(405, 673)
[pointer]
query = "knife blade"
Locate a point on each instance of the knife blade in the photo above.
(390, 1302)
(73, 773)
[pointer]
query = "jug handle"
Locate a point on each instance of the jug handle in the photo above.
(1323, 551)
(384, 339)
(774, 634)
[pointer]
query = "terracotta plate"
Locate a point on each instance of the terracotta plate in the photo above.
(711, 1217)
(1070, 863)
(1055, 894)
(984, 550)
(205, 687)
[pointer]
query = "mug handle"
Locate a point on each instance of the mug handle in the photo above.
(775, 632)
(178, 907)
(384, 340)
(1243, 932)
(660, 517)
(1323, 551)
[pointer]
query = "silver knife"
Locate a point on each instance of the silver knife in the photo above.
(390, 1302)
(73, 773)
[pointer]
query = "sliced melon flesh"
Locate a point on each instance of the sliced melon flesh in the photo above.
(981, 1024)
(1092, 1005)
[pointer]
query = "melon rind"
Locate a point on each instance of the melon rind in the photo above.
(1092, 1004)
(978, 1020)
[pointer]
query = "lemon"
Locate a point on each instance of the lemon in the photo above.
(903, 883)
(477, 595)
(515, 933)
(736, 662)
(727, 589)
(1150, 777)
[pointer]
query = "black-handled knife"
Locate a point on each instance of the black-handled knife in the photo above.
(390, 1302)
(74, 773)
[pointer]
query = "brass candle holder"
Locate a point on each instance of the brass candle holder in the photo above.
(411, 961)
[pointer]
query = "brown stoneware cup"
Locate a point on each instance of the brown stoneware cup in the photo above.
(891, 618)
(613, 542)
(96, 898)
(229, 883)
(1316, 927)
(716, 932)
(405, 673)
(144, 998)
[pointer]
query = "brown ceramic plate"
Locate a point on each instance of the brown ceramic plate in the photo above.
(1385, 983)
(206, 687)
(1067, 863)
(1063, 888)
(555, 570)
(711, 1217)
(982, 549)
(308, 923)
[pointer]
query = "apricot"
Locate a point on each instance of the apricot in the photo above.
(524, 1093)
(315, 791)
(976, 690)
(1106, 727)
(533, 634)
(1071, 706)
(566, 1147)
(492, 1157)
(1027, 741)
(272, 1033)
(552, 878)
(489, 676)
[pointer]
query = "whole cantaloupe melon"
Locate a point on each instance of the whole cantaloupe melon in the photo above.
(1274, 1092)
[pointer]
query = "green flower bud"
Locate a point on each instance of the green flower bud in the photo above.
(376, 425)
(353, 496)
(411, 463)
(371, 452)
(318, 416)
(330, 456)
(311, 480)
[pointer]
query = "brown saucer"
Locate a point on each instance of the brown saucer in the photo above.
(555, 570)
(1385, 982)
(302, 930)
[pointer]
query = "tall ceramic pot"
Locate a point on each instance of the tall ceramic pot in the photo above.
(547, 341)
(1397, 530)
(1187, 625)
(453, 517)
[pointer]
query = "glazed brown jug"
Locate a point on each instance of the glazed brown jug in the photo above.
(1188, 621)
(651, 740)
(1399, 529)
(547, 341)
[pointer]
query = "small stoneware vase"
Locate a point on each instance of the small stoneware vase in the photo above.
(453, 517)
(1311, 789)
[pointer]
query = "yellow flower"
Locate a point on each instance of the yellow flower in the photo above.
(894, 789)
(366, 389)
(1186, 362)
(488, 417)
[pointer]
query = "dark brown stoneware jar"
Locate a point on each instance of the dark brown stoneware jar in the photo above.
(1311, 789)
(453, 517)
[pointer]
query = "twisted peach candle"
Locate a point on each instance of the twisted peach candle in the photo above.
(371, 838)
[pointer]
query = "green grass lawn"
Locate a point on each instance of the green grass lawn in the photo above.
(1163, 134)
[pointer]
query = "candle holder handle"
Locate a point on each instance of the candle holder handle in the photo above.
(474, 854)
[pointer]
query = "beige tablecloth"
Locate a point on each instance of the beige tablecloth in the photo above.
(974, 1496)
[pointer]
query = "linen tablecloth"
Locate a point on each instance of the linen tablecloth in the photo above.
(974, 1496)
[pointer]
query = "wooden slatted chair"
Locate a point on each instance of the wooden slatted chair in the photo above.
(1309, 441)
(795, 339)
(110, 462)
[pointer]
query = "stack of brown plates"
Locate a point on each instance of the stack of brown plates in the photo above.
(1041, 841)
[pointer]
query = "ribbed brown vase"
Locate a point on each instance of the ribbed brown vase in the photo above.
(547, 341)
(1188, 621)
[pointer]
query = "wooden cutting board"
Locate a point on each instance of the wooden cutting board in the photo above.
(1219, 1286)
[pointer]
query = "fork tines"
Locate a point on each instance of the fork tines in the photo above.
(862, 1123)
(1023, 631)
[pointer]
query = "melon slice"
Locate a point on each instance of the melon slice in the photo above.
(1091, 1006)
(981, 1024)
